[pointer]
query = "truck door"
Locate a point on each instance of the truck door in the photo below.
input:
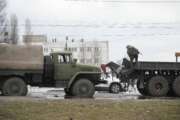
(63, 68)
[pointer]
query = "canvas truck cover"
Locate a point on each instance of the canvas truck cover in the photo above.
(21, 57)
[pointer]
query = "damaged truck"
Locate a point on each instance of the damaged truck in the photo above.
(152, 78)
(22, 65)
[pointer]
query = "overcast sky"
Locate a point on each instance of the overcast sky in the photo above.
(153, 27)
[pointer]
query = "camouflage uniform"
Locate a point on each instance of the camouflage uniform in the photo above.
(132, 53)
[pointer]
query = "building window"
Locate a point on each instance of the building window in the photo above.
(89, 49)
(82, 60)
(54, 40)
(45, 49)
(96, 61)
(81, 49)
(52, 50)
(69, 49)
(89, 61)
(96, 49)
(73, 49)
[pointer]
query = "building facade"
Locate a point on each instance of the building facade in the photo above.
(86, 52)
(34, 39)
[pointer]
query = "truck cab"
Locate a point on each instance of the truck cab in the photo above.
(76, 79)
(64, 66)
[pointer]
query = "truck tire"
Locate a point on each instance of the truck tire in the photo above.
(158, 86)
(176, 86)
(14, 87)
(83, 88)
(142, 91)
(115, 88)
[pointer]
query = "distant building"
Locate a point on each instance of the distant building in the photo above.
(34, 39)
(87, 52)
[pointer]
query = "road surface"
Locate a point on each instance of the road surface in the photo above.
(58, 94)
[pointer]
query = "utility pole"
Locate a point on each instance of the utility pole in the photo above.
(14, 29)
(28, 27)
(66, 45)
(83, 50)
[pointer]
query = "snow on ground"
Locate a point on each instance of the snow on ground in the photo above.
(56, 93)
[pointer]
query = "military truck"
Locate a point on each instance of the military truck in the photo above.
(25, 65)
(153, 78)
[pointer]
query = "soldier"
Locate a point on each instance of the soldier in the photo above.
(132, 53)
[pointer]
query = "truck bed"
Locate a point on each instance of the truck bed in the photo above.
(157, 65)
(21, 57)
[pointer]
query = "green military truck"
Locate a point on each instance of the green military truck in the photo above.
(25, 65)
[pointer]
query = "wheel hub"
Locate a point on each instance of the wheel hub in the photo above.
(14, 88)
(158, 86)
(84, 89)
(115, 88)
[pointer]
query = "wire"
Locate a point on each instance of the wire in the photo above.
(163, 25)
(129, 1)
(54, 25)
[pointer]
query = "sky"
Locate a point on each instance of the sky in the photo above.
(152, 26)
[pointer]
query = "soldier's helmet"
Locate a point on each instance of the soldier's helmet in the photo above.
(128, 46)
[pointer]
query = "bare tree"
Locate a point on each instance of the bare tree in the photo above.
(3, 22)
(14, 29)
(28, 27)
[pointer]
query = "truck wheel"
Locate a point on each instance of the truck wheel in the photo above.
(114, 88)
(83, 88)
(158, 86)
(14, 87)
(176, 86)
(142, 91)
